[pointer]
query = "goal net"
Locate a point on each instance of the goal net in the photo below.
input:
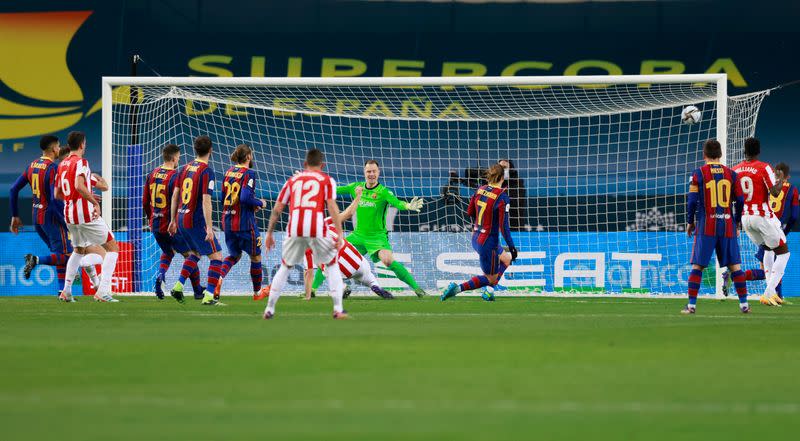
(598, 174)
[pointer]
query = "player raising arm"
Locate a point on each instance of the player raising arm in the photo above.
(307, 194)
(714, 192)
(371, 237)
(758, 183)
(489, 208)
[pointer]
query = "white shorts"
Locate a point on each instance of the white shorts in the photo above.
(323, 249)
(764, 231)
(95, 232)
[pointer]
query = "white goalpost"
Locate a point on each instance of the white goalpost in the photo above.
(600, 167)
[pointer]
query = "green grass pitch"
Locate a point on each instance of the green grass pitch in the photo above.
(409, 369)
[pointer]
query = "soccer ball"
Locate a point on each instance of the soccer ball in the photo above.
(691, 115)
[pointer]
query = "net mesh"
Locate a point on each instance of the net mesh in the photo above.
(597, 179)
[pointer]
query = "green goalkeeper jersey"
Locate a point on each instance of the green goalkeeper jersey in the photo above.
(371, 211)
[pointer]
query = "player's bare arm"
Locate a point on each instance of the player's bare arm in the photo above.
(269, 241)
(351, 209)
(83, 190)
(101, 183)
(333, 210)
(207, 214)
(173, 225)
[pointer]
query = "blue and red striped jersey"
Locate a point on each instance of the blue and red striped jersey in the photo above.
(786, 204)
(713, 191)
(489, 209)
(195, 180)
(239, 203)
(157, 197)
(41, 175)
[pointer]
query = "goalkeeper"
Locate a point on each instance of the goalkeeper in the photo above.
(371, 237)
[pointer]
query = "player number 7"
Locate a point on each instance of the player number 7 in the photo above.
(482, 207)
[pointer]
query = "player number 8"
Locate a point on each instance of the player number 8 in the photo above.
(186, 194)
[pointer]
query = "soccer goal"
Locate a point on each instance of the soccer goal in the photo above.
(599, 166)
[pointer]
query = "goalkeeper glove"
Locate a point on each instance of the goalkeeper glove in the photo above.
(415, 204)
(514, 252)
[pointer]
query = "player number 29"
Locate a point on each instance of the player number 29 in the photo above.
(720, 192)
(186, 193)
(305, 191)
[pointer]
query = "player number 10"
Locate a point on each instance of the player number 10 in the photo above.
(720, 192)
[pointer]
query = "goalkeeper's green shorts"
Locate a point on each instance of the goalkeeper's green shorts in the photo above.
(370, 245)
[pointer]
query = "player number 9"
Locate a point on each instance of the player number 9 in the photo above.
(747, 188)
(186, 194)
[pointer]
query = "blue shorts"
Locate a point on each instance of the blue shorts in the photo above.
(489, 255)
(56, 237)
(760, 252)
(170, 244)
(196, 240)
(239, 242)
(727, 249)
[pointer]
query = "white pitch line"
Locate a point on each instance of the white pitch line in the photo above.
(459, 406)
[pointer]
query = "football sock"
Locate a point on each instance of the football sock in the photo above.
(319, 278)
(109, 263)
(402, 273)
(61, 272)
(213, 275)
(256, 275)
(52, 259)
(189, 267)
(278, 282)
(695, 277)
(754, 274)
(73, 263)
(229, 262)
(740, 283)
(474, 283)
(775, 276)
(164, 263)
(336, 285)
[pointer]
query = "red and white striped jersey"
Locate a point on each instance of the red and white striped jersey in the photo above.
(306, 194)
(77, 210)
(349, 258)
(755, 179)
